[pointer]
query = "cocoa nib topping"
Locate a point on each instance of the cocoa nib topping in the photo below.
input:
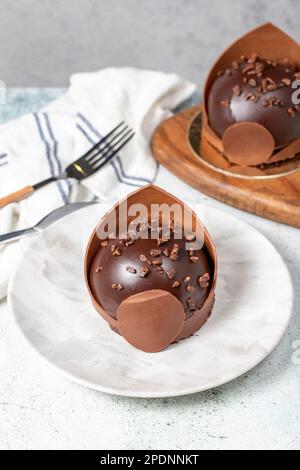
(157, 261)
(271, 85)
(154, 252)
(194, 259)
(225, 103)
(189, 288)
(191, 304)
(129, 243)
(130, 269)
(187, 279)
(104, 243)
(176, 284)
(237, 90)
(171, 273)
(117, 286)
(252, 82)
(160, 269)
(161, 241)
(117, 252)
(113, 247)
(175, 248)
(248, 68)
(286, 81)
(251, 97)
(98, 269)
(191, 237)
(165, 252)
(143, 258)
(291, 112)
(204, 280)
(272, 101)
(174, 252)
(144, 271)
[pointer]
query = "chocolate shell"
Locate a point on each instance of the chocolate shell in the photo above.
(151, 289)
(249, 117)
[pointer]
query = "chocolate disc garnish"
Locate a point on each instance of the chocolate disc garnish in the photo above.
(248, 143)
(150, 320)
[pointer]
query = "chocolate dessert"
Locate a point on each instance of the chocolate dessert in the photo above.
(251, 119)
(149, 285)
(125, 267)
(258, 90)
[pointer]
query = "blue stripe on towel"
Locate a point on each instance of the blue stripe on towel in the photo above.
(2, 157)
(55, 149)
(117, 159)
(47, 147)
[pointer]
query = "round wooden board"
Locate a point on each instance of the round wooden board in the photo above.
(276, 198)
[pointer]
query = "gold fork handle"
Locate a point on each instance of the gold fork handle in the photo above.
(16, 196)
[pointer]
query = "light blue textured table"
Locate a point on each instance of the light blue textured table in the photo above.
(39, 409)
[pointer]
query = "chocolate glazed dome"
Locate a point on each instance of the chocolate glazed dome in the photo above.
(122, 268)
(256, 90)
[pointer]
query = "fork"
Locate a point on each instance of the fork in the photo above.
(94, 159)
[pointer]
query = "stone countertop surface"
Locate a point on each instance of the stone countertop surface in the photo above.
(261, 410)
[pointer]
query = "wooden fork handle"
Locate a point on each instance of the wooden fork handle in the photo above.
(16, 196)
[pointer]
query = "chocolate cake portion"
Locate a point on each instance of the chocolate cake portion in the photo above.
(124, 267)
(256, 89)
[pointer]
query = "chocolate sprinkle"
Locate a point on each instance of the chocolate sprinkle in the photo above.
(191, 237)
(189, 288)
(176, 284)
(171, 273)
(237, 90)
(204, 280)
(154, 252)
(225, 103)
(286, 81)
(157, 261)
(130, 269)
(252, 82)
(117, 286)
(191, 304)
(291, 112)
(144, 271)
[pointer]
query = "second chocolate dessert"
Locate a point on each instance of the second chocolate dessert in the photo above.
(259, 90)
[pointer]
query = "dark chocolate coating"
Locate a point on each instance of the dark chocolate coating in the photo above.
(282, 120)
(114, 271)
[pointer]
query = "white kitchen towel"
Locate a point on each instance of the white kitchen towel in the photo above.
(39, 145)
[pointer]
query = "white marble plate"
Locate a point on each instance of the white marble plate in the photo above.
(52, 309)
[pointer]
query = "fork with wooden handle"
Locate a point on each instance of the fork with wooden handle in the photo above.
(94, 159)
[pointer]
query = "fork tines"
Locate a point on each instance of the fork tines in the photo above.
(108, 146)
